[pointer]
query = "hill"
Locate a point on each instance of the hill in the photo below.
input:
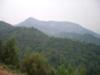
(57, 50)
(62, 29)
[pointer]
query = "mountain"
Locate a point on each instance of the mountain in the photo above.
(57, 50)
(62, 30)
(26, 37)
(5, 28)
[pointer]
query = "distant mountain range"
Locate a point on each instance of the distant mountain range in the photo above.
(62, 30)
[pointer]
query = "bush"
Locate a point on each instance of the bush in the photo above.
(36, 64)
(9, 53)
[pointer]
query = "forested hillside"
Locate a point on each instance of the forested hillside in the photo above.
(66, 57)
(63, 29)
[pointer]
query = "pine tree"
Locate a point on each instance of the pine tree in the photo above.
(10, 53)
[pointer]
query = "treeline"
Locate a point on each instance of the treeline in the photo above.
(36, 63)
(9, 53)
(33, 63)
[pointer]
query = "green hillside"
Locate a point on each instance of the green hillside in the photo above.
(58, 51)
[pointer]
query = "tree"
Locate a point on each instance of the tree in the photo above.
(10, 53)
(36, 64)
(61, 70)
(1, 51)
(80, 70)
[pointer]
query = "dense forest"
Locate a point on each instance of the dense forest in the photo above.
(35, 53)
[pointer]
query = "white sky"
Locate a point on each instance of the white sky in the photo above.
(84, 12)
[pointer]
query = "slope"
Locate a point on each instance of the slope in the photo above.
(62, 30)
(57, 50)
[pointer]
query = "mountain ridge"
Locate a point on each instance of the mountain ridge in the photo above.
(61, 29)
(63, 25)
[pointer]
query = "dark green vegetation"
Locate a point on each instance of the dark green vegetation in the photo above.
(9, 53)
(65, 57)
(36, 64)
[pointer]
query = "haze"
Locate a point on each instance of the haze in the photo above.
(84, 12)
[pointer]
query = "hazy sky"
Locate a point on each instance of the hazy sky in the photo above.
(84, 12)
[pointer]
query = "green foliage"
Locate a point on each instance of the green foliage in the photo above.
(69, 70)
(36, 64)
(61, 70)
(58, 51)
(1, 51)
(80, 70)
(8, 53)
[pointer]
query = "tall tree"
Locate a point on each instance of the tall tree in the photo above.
(11, 52)
(36, 64)
(1, 51)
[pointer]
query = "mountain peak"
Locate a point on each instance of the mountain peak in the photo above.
(56, 28)
(31, 19)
